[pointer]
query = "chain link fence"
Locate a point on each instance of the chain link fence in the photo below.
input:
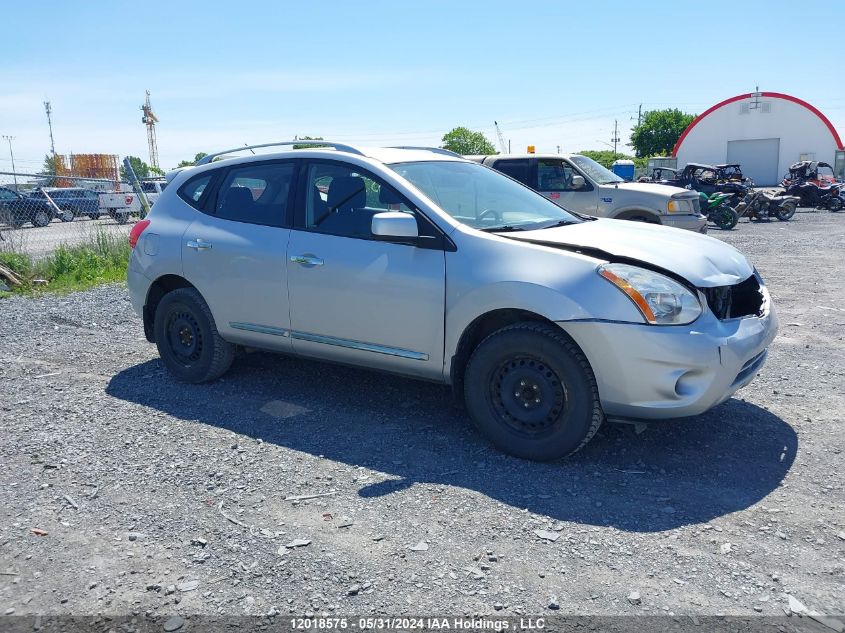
(39, 213)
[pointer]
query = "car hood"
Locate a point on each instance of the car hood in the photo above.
(703, 261)
(666, 191)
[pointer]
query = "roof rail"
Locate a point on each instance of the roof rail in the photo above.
(436, 150)
(338, 146)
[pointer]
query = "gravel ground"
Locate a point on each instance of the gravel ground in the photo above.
(124, 492)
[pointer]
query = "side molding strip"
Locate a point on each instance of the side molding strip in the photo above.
(329, 340)
(261, 329)
(366, 347)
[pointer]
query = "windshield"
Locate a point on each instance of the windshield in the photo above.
(483, 198)
(594, 171)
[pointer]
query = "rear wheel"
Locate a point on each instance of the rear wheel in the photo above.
(67, 215)
(120, 218)
(786, 211)
(530, 390)
(835, 204)
(187, 338)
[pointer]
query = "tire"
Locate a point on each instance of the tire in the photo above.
(725, 218)
(512, 366)
(67, 215)
(94, 216)
(41, 218)
(15, 220)
(835, 204)
(120, 218)
(187, 338)
(785, 212)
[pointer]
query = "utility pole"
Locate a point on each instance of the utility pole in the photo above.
(615, 138)
(12, 154)
(49, 111)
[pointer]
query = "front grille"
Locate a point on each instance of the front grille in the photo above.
(740, 300)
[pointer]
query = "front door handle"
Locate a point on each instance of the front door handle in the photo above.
(306, 260)
(199, 244)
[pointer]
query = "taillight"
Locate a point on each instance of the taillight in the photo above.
(136, 231)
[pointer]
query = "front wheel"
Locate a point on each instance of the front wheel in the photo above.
(785, 211)
(40, 218)
(530, 390)
(187, 338)
(725, 218)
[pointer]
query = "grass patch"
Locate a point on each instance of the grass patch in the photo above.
(104, 259)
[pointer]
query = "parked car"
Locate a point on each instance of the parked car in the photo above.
(71, 202)
(580, 184)
(16, 209)
(421, 263)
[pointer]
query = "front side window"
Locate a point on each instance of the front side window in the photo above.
(483, 198)
(554, 175)
(257, 194)
(342, 200)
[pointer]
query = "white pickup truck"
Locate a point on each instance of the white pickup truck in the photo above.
(580, 184)
(122, 204)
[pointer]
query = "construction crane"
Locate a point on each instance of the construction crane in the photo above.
(150, 119)
(502, 146)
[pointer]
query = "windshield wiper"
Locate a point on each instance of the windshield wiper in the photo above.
(556, 224)
(502, 229)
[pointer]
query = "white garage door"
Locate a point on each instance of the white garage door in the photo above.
(758, 157)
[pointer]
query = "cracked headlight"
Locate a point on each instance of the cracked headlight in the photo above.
(661, 300)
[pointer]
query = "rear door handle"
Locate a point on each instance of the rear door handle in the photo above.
(306, 260)
(199, 244)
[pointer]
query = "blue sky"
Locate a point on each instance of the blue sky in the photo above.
(551, 73)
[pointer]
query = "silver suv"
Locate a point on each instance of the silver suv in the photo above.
(418, 262)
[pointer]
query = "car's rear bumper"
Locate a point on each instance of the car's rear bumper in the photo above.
(139, 286)
(697, 223)
(658, 372)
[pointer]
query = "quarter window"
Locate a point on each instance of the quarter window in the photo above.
(192, 191)
(257, 194)
(342, 200)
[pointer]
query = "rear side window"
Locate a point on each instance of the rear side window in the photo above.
(192, 191)
(256, 194)
(518, 169)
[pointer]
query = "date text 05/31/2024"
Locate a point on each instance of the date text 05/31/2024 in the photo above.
(420, 623)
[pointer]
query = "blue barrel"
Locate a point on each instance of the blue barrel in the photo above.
(623, 169)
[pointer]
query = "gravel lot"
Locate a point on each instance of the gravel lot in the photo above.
(161, 498)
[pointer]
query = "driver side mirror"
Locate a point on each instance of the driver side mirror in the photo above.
(394, 224)
(578, 182)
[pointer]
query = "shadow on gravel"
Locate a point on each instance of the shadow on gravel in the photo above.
(674, 474)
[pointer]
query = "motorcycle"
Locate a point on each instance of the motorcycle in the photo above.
(810, 194)
(761, 205)
(718, 211)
